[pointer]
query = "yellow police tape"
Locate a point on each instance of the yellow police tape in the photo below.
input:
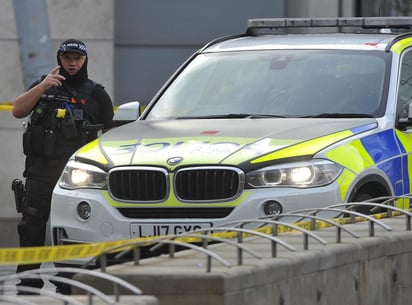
(6, 106)
(48, 254)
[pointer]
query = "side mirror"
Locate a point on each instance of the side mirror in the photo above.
(126, 113)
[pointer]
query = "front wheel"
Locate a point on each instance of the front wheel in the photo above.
(365, 209)
(362, 197)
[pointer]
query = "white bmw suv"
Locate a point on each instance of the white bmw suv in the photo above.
(256, 124)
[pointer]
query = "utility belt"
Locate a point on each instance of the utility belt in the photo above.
(38, 141)
(57, 132)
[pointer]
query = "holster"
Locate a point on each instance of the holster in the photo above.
(17, 187)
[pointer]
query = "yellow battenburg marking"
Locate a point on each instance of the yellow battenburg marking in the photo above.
(305, 148)
(406, 140)
(92, 151)
(344, 181)
(120, 152)
(194, 150)
(401, 45)
(354, 158)
(352, 155)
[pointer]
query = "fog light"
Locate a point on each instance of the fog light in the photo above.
(84, 210)
(272, 207)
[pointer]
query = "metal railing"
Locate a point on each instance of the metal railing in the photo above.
(47, 274)
(236, 230)
(233, 234)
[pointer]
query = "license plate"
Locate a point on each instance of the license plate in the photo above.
(155, 229)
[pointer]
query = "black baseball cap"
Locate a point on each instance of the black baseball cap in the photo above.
(72, 46)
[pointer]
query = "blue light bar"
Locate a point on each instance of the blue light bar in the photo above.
(365, 22)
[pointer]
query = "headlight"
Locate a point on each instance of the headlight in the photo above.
(81, 175)
(301, 174)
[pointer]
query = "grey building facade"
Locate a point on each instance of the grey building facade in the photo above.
(152, 38)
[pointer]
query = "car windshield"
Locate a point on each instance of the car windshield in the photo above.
(279, 83)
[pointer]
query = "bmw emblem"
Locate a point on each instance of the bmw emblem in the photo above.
(174, 160)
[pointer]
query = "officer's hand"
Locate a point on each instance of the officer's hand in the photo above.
(53, 79)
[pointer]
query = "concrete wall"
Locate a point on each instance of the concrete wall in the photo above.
(90, 21)
(11, 83)
(365, 271)
(11, 166)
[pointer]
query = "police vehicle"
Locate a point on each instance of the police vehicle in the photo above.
(292, 114)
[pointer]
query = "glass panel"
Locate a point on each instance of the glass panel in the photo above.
(281, 82)
(373, 8)
(405, 85)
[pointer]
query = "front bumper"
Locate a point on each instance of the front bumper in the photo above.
(107, 223)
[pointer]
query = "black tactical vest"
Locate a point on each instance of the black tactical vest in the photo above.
(58, 123)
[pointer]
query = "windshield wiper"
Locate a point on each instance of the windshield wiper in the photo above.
(231, 116)
(339, 115)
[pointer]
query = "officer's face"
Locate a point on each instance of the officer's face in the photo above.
(72, 62)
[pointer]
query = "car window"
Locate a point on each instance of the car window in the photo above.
(405, 85)
(288, 83)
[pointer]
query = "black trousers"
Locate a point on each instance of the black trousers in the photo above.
(32, 226)
(41, 179)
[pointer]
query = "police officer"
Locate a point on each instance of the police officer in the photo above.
(65, 107)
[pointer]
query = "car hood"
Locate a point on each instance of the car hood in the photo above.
(172, 143)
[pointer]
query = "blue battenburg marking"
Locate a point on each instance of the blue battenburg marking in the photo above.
(364, 128)
(391, 168)
(381, 146)
(406, 187)
(384, 149)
